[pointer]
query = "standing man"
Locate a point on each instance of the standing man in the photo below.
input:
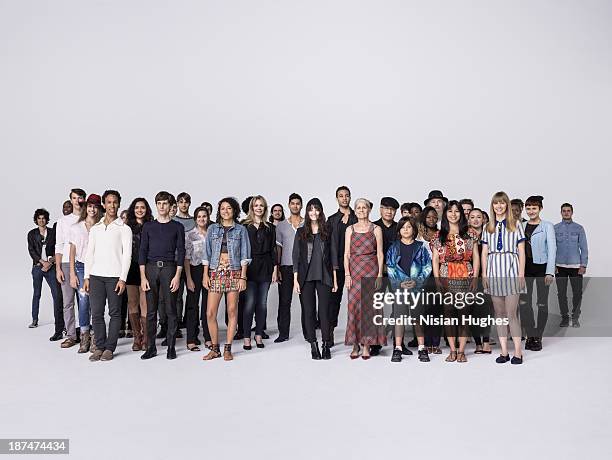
(107, 263)
(161, 260)
(338, 223)
(438, 201)
(467, 205)
(285, 236)
(183, 203)
(571, 262)
(62, 263)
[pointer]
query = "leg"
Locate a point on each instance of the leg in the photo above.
(166, 275)
(561, 280)
(51, 280)
(37, 278)
(526, 303)
(576, 281)
(205, 331)
(133, 295)
(285, 294)
(68, 296)
(114, 311)
(143, 318)
(261, 308)
(309, 315)
(249, 309)
(97, 302)
(511, 306)
(84, 307)
(153, 304)
(324, 296)
(232, 315)
(336, 299)
(179, 298)
(240, 326)
(499, 305)
(542, 302)
(191, 305)
(212, 307)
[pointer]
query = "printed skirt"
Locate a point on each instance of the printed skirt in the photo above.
(224, 280)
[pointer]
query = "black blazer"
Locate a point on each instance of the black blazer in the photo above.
(35, 244)
(302, 251)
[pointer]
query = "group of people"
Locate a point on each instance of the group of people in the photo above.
(100, 257)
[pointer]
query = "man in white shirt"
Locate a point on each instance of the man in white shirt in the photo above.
(109, 254)
(62, 263)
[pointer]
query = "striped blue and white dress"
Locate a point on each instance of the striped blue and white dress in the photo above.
(503, 259)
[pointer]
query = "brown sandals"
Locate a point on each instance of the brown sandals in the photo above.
(213, 353)
(452, 357)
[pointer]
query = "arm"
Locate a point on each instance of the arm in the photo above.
(89, 257)
(379, 249)
(275, 258)
(143, 255)
(126, 257)
(74, 280)
(584, 251)
(521, 255)
(59, 247)
(296, 261)
(245, 250)
(335, 240)
(475, 260)
(551, 247)
(180, 255)
(347, 251)
(36, 257)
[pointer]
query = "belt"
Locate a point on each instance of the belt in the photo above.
(163, 263)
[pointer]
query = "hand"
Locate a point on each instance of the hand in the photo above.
(190, 284)
(45, 266)
(335, 288)
(86, 286)
(120, 287)
(582, 270)
(378, 282)
(485, 282)
(296, 287)
(242, 285)
(522, 282)
(206, 282)
(74, 281)
(59, 274)
(144, 284)
(175, 283)
(474, 284)
(410, 284)
(348, 282)
(548, 280)
(275, 276)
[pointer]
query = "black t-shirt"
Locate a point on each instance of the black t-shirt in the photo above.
(407, 252)
(529, 228)
(389, 234)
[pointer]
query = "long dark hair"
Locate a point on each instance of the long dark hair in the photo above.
(131, 220)
(445, 225)
(271, 218)
(323, 230)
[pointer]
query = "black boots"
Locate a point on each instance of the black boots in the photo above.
(326, 354)
(314, 350)
(171, 353)
(150, 353)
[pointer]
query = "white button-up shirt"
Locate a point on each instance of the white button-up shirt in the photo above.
(109, 252)
(62, 236)
(79, 237)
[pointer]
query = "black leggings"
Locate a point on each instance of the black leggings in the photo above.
(310, 291)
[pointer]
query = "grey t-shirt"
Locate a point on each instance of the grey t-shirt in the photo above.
(188, 222)
(285, 236)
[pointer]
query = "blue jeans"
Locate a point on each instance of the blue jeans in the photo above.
(84, 309)
(256, 302)
(37, 279)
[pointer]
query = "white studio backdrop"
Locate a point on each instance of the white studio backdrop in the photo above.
(271, 97)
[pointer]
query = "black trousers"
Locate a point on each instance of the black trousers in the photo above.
(285, 295)
(58, 309)
(191, 306)
(159, 282)
(310, 292)
(576, 281)
(101, 289)
(336, 299)
(535, 274)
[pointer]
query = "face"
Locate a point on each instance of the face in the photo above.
(202, 219)
(67, 208)
(475, 219)
(313, 213)
(566, 213)
(92, 211)
(437, 204)
(111, 205)
(295, 206)
(362, 211)
(387, 213)
(453, 214)
(405, 213)
(344, 198)
(432, 219)
(406, 231)
(259, 208)
(516, 212)
(183, 205)
(76, 201)
(277, 212)
(532, 211)
(140, 210)
(209, 209)
(41, 221)
(226, 211)
(499, 207)
(173, 210)
(415, 212)
(163, 208)
(467, 208)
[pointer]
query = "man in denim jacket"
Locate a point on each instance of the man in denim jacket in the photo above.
(571, 262)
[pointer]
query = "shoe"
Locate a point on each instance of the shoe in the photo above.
(412, 344)
(92, 342)
(436, 351)
(107, 355)
(164, 343)
(227, 352)
(259, 345)
(213, 353)
(85, 342)
(375, 350)
(280, 339)
(314, 350)
(264, 335)
(122, 334)
(575, 322)
(69, 342)
(516, 360)
(529, 343)
(150, 353)
(55, 337)
(396, 357)
(452, 357)
(33, 324)
(355, 353)
(179, 334)
(501, 359)
(95, 356)
(564, 322)
(163, 332)
(326, 353)
(247, 347)
(171, 353)
(536, 344)
(405, 350)
(423, 355)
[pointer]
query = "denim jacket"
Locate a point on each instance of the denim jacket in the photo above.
(572, 248)
(419, 270)
(544, 246)
(238, 246)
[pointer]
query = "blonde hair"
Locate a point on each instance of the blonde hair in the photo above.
(510, 222)
(250, 218)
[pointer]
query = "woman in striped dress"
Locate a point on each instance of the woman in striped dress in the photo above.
(503, 268)
(363, 265)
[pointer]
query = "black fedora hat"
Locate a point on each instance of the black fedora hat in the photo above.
(435, 194)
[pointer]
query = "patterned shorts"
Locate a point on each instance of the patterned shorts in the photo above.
(225, 280)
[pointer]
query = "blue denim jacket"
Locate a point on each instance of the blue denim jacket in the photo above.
(544, 246)
(572, 248)
(419, 270)
(238, 246)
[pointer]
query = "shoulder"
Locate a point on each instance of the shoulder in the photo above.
(33, 232)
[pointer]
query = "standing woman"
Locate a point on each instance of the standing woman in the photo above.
(91, 214)
(455, 268)
(277, 214)
(540, 255)
(261, 272)
(195, 244)
(228, 253)
(138, 214)
(503, 268)
(314, 276)
(363, 263)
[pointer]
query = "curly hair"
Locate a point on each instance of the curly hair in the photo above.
(235, 208)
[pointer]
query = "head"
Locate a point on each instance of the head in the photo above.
(201, 217)
(67, 207)
(173, 206)
(517, 208)
(314, 217)
(111, 200)
(485, 218)
(228, 210)
(183, 201)
(407, 228)
(500, 210)
(41, 217)
(245, 204)
(163, 202)
(123, 216)
(429, 218)
(476, 219)
(567, 211)
(258, 210)
(343, 196)
(77, 198)
(208, 206)
(453, 215)
(295, 204)
(533, 206)
(405, 209)
(363, 208)
(415, 210)
(388, 208)
(139, 212)
(438, 204)
(93, 208)
(467, 205)
(277, 213)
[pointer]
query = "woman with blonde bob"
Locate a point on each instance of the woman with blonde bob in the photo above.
(503, 268)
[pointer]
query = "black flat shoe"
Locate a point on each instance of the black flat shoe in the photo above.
(516, 360)
(375, 350)
(193, 348)
(314, 351)
(259, 345)
(57, 336)
(33, 324)
(247, 347)
(575, 323)
(501, 359)
(536, 344)
(280, 339)
(396, 357)
(264, 335)
(423, 355)
(171, 353)
(150, 353)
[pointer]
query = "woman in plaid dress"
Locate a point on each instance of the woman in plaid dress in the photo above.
(363, 264)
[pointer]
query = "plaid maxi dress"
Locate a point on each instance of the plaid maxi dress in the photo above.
(363, 266)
